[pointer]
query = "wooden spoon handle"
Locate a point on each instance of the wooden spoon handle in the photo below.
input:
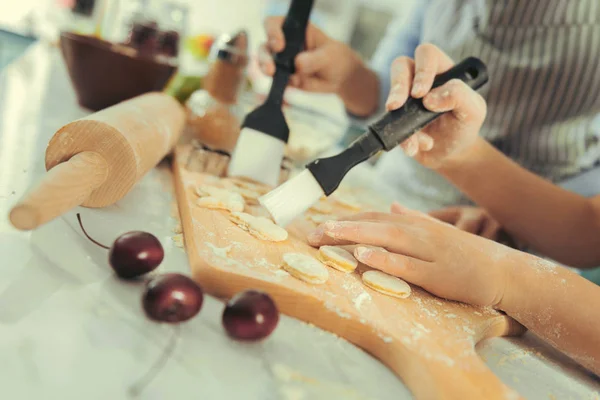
(64, 187)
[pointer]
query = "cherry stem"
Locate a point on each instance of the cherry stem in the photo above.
(88, 236)
(137, 388)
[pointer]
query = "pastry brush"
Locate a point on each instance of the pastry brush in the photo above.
(323, 176)
(259, 149)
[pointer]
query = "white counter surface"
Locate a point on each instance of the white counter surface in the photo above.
(70, 330)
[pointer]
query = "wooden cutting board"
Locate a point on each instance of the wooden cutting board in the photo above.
(427, 341)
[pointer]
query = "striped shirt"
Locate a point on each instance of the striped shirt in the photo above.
(544, 92)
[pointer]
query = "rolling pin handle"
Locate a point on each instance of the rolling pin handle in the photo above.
(64, 187)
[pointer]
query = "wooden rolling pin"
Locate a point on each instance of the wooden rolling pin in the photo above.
(96, 160)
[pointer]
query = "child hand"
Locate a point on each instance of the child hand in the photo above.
(474, 220)
(452, 135)
(325, 65)
(431, 254)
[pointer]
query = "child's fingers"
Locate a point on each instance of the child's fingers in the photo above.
(456, 96)
(318, 238)
(411, 269)
(429, 62)
(490, 229)
(402, 73)
(275, 37)
(469, 223)
(449, 215)
(375, 233)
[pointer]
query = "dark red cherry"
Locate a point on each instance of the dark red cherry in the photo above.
(135, 253)
(172, 298)
(250, 315)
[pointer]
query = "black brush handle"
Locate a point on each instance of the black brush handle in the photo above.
(398, 125)
(294, 31)
(392, 129)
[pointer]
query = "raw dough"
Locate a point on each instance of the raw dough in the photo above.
(247, 184)
(260, 227)
(322, 207)
(337, 258)
(250, 196)
(217, 198)
(318, 218)
(386, 284)
(345, 198)
(305, 268)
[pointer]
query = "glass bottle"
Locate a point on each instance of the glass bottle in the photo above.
(173, 27)
(214, 114)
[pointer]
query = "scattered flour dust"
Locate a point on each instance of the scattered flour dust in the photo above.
(222, 252)
(468, 330)
(288, 392)
(451, 316)
(386, 339)
(542, 265)
(330, 306)
(360, 297)
(358, 301)
(313, 388)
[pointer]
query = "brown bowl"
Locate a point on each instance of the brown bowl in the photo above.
(104, 73)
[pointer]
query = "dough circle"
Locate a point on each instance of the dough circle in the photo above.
(321, 207)
(217, 198)
(318, 218)
(337, 258)
(260, 227)
(305, 268)
(386, 284)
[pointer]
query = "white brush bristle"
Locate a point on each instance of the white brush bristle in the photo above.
(293, 198)
(257, 156)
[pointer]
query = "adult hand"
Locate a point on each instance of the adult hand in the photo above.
(452, 135)
(325, 65)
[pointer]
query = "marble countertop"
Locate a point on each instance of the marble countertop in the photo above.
(70, 330)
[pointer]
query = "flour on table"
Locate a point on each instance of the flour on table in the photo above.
(337, 258)
(360, 299)
(177, 228)
(222, 252)
(291, 393)
(386, 284)
(468, 330)
(260, 227)
(305, 268)
(178, 240)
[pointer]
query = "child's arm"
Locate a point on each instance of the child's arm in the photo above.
(554, 221)
(551, 301)
(556, 304)
(560, 224)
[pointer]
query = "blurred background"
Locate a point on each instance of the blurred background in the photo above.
(187, 36)
(358, 22)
